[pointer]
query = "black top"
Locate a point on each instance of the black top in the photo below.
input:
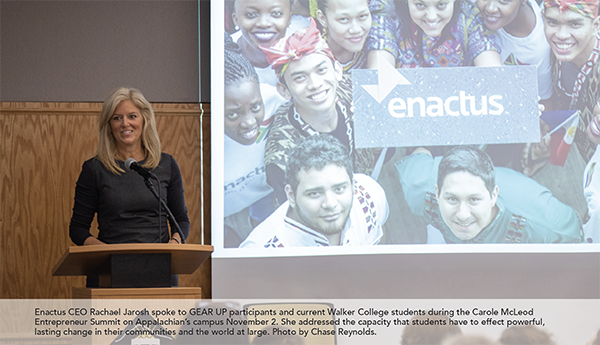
(127, 210)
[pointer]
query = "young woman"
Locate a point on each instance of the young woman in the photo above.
(246, 188)
(438, 33)
(519, 29)
(443, 33)
(261, 23)
(346, 25)
(127, 130)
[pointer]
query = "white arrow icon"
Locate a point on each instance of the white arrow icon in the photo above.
(389, 77)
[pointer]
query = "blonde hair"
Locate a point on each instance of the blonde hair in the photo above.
(107, 148)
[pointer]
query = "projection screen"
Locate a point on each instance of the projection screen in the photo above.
(403, 227)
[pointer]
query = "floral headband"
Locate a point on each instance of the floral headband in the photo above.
(588, 9)
(301, 43)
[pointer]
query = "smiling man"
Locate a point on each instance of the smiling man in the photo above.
(572, 29)
(309, 77)
(467, 196)
(473, 202)
(327, 204)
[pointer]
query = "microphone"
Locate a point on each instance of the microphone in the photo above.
(132, 164)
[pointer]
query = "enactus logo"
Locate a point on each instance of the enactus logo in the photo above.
(462, 105)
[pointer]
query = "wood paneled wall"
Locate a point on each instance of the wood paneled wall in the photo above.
(42, 149)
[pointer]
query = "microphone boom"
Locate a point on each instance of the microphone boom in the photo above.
(132, 165)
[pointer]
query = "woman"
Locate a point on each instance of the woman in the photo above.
(261, 23)
(519, 29)
(127, 212)
(346, 25)
(248, 199)
(443, 33)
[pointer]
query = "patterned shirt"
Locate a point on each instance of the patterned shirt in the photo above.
(469, 38)
(285, 134)
(589, 96)
(383, 27)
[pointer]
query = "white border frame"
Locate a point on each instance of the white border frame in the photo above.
(217, 198)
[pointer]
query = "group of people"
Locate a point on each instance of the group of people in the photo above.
(293, 176)
(317, 99)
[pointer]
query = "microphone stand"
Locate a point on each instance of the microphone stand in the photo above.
(162, 202)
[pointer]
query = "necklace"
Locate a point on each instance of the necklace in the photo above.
(311, 131)
(581, 77)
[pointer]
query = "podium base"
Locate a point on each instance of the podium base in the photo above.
(144, 293)
(139, 270)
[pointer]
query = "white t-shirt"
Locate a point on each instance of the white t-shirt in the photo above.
(531, 50)
(363, 227)
(245, 178)
(591, 192)
(244, 175)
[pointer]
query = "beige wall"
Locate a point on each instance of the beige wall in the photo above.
(78, 51)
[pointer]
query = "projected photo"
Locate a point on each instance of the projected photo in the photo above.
(381, 123)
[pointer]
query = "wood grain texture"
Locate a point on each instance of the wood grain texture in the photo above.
(206, 155)
(42, 149)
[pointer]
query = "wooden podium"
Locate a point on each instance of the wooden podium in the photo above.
(144, 258)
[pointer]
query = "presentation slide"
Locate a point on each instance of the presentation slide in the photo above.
(358, 137)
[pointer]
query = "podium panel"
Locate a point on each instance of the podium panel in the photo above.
(143, 293)
(133, 270)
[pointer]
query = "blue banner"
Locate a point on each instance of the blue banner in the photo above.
(445, 106)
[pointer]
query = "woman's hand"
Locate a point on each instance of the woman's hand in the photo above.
(488, 58)
(377, 57)
(90, 241)
(175, 239)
